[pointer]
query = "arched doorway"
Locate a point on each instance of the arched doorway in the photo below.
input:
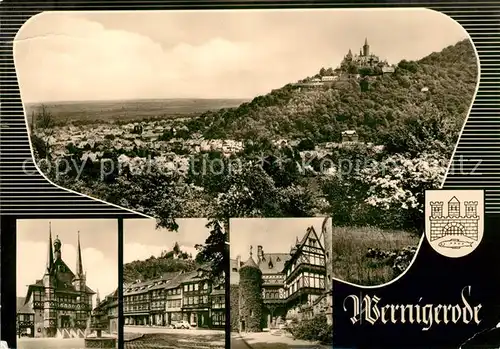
(454, 229)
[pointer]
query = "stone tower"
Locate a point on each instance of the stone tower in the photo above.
(49, 306)
(79, 284)
(366, 48)
(436, 209)
(454, 207)
(250, 296)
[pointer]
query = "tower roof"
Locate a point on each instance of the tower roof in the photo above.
(250, 262)
(453, 199)
(366, 41)
(50, 255)
(79, 264)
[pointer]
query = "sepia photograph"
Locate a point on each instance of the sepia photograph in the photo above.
(67, 283)
(255, 113)
(174, 285)
(281, 283)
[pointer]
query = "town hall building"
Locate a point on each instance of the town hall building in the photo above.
(60, 303)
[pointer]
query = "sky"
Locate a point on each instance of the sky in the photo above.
(275, 235)
(99, 245)
(141, 238)
(65, 56)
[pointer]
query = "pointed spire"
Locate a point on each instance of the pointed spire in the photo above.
(366, 41)
(50, 256)
(97, 298)
(251, 251)
(79, 264)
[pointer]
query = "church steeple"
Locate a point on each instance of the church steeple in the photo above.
(79, 264)
(50, 256)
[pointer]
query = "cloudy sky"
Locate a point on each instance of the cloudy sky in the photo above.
(98, 241)
(276, 235)
(142, 240)
(212, 54)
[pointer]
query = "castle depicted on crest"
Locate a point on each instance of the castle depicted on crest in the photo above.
(454, 224)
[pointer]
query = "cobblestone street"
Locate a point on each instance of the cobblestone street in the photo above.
(172, 340)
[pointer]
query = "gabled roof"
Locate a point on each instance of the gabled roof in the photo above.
(311, 233)
(23, 307)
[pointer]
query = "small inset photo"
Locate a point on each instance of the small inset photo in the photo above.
(281, 282)
(174, 284)
(67, 283)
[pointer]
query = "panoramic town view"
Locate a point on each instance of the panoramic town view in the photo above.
(67, 284)
(332, 116)
(174, 285)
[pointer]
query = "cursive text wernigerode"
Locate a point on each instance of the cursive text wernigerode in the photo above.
(369, 309)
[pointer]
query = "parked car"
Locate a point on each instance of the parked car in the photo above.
(182, 324)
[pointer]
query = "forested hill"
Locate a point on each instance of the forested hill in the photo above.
(154, 268)
(436, 90)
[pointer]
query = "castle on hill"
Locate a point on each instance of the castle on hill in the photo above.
(352, 65)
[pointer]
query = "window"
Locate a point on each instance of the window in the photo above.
(218, 318)
(195, 286)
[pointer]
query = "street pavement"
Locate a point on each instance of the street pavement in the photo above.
(193, 331)
(50, 343)
(267, 340)
(176, 339)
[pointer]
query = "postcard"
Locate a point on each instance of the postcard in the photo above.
(250, 176)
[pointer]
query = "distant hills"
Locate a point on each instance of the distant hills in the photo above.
(129, 110)
(437, 88)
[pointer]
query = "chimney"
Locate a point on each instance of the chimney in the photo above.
(260, 254)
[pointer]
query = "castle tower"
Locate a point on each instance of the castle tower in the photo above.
(349, 54)
(366, 48)
(49, 310)
(470, 209)
(471, 220)
(436, 209)
(454, 207)
(250, 295)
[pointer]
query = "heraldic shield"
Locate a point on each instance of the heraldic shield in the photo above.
(454, 221)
